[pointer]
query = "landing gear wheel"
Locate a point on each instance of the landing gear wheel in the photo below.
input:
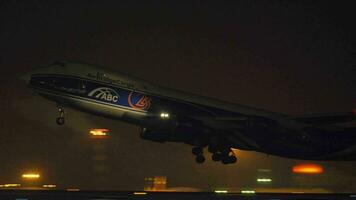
(216, 157)
(60, 120)
(212, 149)
(225, 161)
(229, 160)
(232, 159)
(197, 150)
(200, 159)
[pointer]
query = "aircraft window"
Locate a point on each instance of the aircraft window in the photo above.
(65, 82)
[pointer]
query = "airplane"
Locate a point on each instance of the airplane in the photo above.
(167, 115)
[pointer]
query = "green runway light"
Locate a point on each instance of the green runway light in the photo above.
(248, 192)
(264, 180)
(220, 191)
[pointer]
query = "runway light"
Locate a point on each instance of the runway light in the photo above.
(99, 133)
(73, 189)
(10, 185)
(248, 192)
(264, 180)
(264, 170)
(308, 169)
(164, 115)
(221, 191)
(31, 176)
(140, 193)
(49, 186)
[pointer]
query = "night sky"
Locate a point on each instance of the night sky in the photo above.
(293, 57)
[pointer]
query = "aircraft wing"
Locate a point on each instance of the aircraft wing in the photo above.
(328, 118)
(233, 129)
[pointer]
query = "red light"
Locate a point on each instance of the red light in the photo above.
(308, 169)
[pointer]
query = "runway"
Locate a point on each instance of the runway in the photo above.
(112, 195)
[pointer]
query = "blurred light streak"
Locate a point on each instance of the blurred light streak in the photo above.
(31, 176)
(99, 133)
(264, 180)
(264, 170)
(221, 191)
(248, 192)
(49, 186)
(73, 189)
(140, 193)
(308, 169)
(10, 185)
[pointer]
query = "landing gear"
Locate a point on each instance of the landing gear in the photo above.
(200, 159)
(225, 155)
(198, 152)
(216, 157)
(229, 159)
(212, 149)
(60, 120)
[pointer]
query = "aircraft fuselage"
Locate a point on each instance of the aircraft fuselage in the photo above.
(169, 115)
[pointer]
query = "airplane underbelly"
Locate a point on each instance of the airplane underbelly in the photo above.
(96, 107)
(91, 96)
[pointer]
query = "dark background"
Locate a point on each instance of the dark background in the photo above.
(293, 57)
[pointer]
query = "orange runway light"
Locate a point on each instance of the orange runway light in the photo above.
(49, 186)
(99, 133)
(73, 189)
(140, 193)
(10, 185)
(308, 169)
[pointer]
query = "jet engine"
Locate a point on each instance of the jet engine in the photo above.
(194, 134)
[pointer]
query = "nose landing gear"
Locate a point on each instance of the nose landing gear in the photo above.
(60, 120)
(198, 152)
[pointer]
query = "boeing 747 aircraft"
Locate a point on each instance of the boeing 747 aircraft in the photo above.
(167, 115)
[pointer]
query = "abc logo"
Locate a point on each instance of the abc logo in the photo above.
(106, 94)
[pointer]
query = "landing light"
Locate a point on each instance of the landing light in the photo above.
(164, 115)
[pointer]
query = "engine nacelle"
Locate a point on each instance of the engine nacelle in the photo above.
(155, 135)
(188, 133)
